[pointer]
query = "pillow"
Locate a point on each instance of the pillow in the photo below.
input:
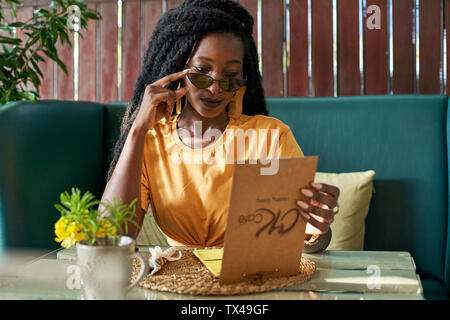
(150, 234)
(356, 188)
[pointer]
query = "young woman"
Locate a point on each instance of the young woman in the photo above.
(200, 76)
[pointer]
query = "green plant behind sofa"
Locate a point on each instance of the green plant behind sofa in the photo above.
(20, 57)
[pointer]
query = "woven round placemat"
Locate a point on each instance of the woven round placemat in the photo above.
(189, 276)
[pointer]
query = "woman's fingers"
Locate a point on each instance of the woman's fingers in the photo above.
(323, 198)
(166, 98)
(326, 214)
(170, 78)
(322, 226)
(319, 205)
(326, 188)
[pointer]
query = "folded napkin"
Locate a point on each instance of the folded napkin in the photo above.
(157, 257)
(211, 258)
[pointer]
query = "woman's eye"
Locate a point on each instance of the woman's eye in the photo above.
(201, 69)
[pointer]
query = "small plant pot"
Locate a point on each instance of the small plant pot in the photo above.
(106, 269)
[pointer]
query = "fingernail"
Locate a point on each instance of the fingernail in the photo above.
(304, 215)
(307, 192)
(317, 185)
(303, 204)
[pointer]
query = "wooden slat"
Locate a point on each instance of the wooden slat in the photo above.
(65, 89)
(131, 58)
(23, 14)
(430, 46)
(348, 73)
(173, 3)
(47, 88)
(87, 61)
(297, 76)
(108, 52)
(403, 77)
(375, 52)
(322, 47)
(272, 47)
(447, 28)
(252, 7)
(152, 13)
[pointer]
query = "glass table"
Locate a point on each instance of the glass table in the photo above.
(340, 275)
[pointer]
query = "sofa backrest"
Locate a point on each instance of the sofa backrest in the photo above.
(46, 148)
(402, 138)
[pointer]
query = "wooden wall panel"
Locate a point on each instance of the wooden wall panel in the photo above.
(348, 73)
(297, 72)
(131, 56)
(272, 16)
(87, 61)
(376, 51)
(322, 48)
(404, 73)
(430, 46)
(108, 52)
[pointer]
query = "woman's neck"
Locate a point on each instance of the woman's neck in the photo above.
(191, 122)
(189, 117)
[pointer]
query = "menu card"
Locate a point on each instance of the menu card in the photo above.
(265, 230)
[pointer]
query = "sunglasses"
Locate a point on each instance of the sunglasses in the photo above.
(203, 81)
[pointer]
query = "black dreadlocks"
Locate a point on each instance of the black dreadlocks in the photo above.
(172, 42)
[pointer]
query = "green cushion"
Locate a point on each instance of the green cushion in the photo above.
(46, 147)
(401, 138)
(434, 289)
(114, 112)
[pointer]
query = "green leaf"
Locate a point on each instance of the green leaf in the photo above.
(8, 40)
(16, 25)
(27, 95)
(41, 13)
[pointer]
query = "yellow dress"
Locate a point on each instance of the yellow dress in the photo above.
(189, 189)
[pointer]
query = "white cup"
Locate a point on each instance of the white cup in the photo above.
(106, 270)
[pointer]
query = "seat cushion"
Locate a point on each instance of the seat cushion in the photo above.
(47, 147)
(403, 139)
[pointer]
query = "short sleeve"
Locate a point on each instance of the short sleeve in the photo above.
(289, 147)
(145, 188)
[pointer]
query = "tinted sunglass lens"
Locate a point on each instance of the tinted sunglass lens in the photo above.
(225, 84)
(199, 80)
(203, 81)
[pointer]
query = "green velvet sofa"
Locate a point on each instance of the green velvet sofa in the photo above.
(49, 146)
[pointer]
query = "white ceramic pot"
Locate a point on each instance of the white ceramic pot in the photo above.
(106, 270)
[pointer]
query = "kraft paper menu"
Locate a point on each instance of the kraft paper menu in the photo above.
(265, 230)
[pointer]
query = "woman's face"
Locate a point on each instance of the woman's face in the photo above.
(217, 55)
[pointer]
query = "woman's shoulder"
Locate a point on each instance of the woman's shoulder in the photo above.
(260, 121)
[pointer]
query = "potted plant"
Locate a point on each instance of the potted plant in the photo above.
(20, 56)
(104, 253)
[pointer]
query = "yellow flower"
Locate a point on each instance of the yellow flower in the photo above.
(105, 229)
(70, 235)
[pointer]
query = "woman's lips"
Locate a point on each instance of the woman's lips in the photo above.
(211, 103)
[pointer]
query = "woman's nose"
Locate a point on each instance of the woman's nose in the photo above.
(215, 88)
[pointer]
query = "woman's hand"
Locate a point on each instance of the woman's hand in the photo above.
(158, 101)
(319, 206)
